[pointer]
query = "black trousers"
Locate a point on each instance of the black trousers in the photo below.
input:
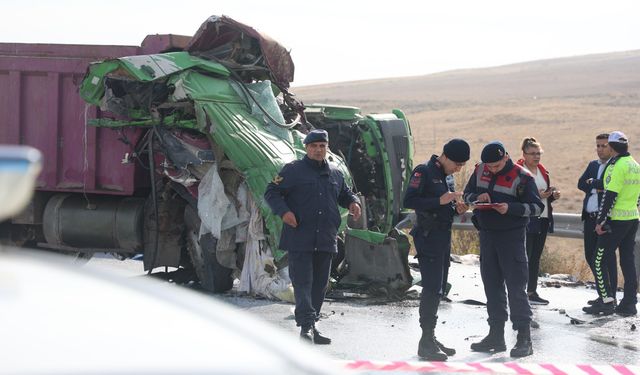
(433, 253)
(535, 246)
(309, 272)
(503, 260)
(622, 237)
(590, 241)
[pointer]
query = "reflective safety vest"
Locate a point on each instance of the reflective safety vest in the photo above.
(623, 178)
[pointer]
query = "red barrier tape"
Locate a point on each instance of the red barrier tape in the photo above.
(493, 368)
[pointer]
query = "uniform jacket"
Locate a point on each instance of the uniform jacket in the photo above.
(428, 183)
(512, 185)
(312, 191)
(532, 224)
(590, 172)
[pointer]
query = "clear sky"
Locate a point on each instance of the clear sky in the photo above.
(344, 40)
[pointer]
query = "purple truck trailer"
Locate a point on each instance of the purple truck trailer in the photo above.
(88, 198)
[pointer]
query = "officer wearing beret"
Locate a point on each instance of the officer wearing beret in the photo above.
(503, 257)
(432, 195)
(306, 194)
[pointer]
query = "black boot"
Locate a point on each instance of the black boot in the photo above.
(494, 342)
(600, 307)
(448, 351)
(428, 347)
(319, 339)
(592, 301)
(523, 346)
(306, 333)
(626, 309)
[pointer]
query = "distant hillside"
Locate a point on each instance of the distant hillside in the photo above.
(564, 103)
(616, 74)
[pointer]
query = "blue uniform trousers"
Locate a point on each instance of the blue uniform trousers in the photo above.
(503, 260)
(433, 252)
(309, 273)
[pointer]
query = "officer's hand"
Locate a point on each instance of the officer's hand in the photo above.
(355, 211)
(599, 230)
(290, 219)
(501, 208)
(461, 208)
(484, 197)
(556, 194)
(450, 196)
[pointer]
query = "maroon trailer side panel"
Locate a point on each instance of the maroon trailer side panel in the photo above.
(40, 106)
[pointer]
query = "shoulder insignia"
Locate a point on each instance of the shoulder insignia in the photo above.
(277, 179)
(415, 180)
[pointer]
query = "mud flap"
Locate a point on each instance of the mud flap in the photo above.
(168, 231)
(373, 260)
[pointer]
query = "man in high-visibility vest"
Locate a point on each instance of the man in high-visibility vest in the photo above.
(616, 227)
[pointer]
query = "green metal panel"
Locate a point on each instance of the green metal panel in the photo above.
(337, 112)
(375, 147)
(143, 68)
(367, 235)
(409, 162)
(220, 113)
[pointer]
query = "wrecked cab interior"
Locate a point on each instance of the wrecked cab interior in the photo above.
(217, 122)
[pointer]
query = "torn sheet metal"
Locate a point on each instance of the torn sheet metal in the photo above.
(235, 43)
(259, 97)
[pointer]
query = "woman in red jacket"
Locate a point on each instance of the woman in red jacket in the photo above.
(538, 226)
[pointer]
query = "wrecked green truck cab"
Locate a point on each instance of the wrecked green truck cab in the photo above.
(220, 124)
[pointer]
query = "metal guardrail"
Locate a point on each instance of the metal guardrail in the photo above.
(565, 225)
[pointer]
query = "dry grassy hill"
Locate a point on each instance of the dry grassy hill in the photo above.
(562, 102)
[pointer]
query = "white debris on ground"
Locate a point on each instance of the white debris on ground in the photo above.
(468, 259)
(241, 222)
(619, 331)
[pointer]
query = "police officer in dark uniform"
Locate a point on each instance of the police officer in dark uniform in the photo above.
(432, 195)
(504, 196)
(306, 194)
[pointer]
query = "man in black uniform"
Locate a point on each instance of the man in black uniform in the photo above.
(592, 184)
(306, 194)
(431, 194)
(503, 258)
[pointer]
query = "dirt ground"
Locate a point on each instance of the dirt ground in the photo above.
(563, 103)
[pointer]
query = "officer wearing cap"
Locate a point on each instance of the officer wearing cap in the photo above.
(432, 195)
(616, 226)
(306, 194)
(503, 258)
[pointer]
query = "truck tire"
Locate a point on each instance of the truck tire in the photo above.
(212, 275)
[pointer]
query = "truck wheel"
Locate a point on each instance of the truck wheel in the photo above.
(202, 250)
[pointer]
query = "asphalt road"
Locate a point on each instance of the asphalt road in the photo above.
(374, 330)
